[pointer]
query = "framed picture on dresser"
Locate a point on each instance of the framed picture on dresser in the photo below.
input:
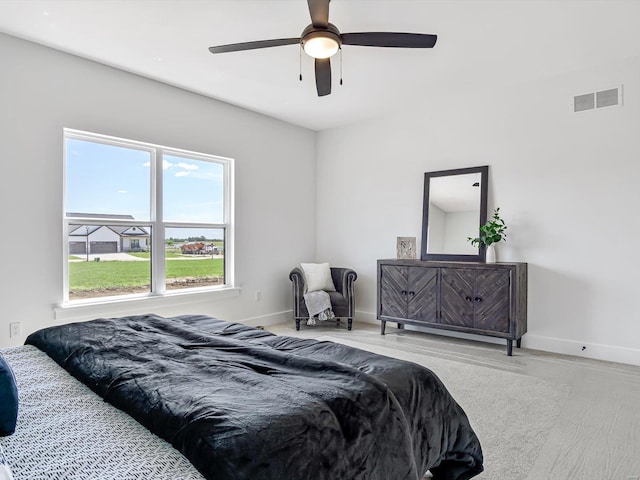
(406, 248)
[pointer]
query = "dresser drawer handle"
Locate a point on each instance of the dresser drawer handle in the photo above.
(478, 299)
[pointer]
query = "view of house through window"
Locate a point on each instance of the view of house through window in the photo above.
(142, 218)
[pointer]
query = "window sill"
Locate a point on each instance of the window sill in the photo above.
(130, 305)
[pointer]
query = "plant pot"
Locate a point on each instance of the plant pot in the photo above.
(490, 256)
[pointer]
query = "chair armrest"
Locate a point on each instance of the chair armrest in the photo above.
(343, 279)
(297, 277)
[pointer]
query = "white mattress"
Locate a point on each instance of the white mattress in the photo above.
(66, 432)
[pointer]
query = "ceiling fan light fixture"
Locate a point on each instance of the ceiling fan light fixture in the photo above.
(321, 44)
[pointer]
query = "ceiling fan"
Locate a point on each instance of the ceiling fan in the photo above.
(321, 40)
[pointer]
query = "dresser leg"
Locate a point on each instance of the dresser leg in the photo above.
(401, 326)
(519, 342)
(509, 347)
(349, 323)
(383, 324)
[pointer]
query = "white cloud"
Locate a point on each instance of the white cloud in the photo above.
(182, 174)
(123, 191)
(188, 166)
(165, 165)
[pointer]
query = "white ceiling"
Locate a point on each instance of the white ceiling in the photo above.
(456, 193)
(480, 43)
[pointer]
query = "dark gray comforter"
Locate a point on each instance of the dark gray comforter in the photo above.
(242, 403)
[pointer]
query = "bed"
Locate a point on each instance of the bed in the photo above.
(241, 403)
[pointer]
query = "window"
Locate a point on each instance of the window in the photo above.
(142, 218)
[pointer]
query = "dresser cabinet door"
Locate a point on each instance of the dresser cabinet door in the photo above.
(393, 288)
(456, 297)
(491, 298)
(409, 292)
(422, 294)
(476, 298)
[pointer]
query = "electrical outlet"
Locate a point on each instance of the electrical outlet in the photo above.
(15, 329)
(258, 295)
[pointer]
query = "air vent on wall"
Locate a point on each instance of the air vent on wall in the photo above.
(611, 97)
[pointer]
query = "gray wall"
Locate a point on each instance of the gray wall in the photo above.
(566, 184)
(43, 90)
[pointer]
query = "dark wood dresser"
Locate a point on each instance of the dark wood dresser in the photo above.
(479, 298)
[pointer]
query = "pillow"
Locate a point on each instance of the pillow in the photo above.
(318, 277)
(8, 399)
(5, 471)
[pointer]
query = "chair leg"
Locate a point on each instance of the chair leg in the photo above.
(349, 323)
(297, 324)
(337, 321)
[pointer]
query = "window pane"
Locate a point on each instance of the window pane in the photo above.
(105, 179)
(193, 190)
(194, 257)
(108, 260)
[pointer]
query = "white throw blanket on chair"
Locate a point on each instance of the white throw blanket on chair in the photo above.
(318, 303)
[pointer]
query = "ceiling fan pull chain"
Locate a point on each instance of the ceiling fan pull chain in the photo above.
(340, 65)
(300, 62)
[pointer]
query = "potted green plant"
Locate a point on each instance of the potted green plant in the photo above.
(491, 233)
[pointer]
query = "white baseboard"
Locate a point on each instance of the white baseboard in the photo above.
(366, 317)
(270, 319)
(596, 351)
(607, 353)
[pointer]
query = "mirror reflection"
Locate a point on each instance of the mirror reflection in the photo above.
(454, 214)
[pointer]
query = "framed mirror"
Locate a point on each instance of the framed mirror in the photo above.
(454, 208)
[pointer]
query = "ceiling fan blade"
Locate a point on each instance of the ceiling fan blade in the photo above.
(390, 39)
(319, 10)
(237, 47)
(323, 76)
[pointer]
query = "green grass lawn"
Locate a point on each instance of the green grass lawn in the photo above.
(99, 275)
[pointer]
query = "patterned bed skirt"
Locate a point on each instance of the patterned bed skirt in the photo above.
(66, 432)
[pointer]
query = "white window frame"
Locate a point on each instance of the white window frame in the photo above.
(156, 222)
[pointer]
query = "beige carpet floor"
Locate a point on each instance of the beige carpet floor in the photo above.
(512, 414)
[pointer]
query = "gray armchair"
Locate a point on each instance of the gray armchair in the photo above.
(342, 300)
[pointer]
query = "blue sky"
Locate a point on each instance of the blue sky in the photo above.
(108, 179)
